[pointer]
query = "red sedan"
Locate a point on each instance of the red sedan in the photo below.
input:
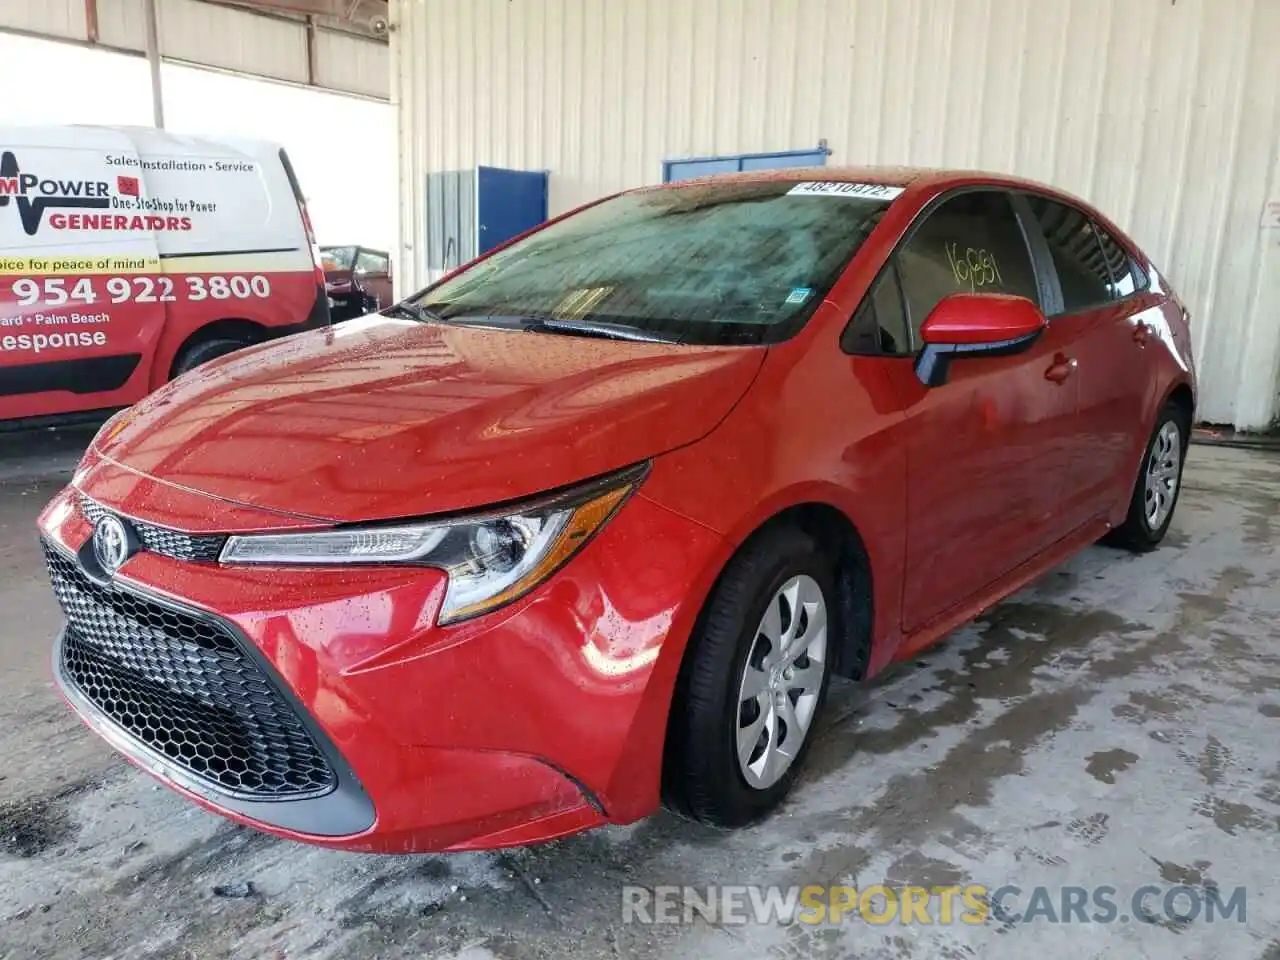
(595, 520)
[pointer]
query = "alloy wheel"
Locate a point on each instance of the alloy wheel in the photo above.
(1163, 470)
(782, 681)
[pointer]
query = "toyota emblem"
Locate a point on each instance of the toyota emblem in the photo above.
(111, 543)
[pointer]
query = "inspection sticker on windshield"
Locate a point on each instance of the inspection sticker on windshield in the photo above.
(798, 295)
(828, 188)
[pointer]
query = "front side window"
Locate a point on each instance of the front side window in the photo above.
(972, 243)
(1077, 255)
(709, 263)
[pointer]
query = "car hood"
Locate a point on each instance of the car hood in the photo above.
(381, 418)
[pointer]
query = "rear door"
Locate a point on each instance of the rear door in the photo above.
(80, 313)
(986, 450)
(1107, 313)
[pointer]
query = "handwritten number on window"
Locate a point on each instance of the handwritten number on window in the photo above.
(973, 267)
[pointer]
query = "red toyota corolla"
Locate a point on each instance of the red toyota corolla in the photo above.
(595, 520)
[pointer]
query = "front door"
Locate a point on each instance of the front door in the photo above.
(987, 450)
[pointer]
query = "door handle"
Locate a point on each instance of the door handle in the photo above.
(1142, 333)
(1063, 367)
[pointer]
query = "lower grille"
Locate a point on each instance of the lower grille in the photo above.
(201, 547)
(183, 686)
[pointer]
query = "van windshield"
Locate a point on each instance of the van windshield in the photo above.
(709, 263)
(337, 258)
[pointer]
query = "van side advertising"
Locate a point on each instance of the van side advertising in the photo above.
(128, 256)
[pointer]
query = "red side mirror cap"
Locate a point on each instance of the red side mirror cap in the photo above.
(981, 318)
(975, 325)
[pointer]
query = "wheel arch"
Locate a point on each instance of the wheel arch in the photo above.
(1181, 396)
(226, 328)
(836, 535)
(839, 537)
(840, 540)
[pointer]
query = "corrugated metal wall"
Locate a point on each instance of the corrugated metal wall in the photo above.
(55, 18)
(217, 36)
(1166, 113)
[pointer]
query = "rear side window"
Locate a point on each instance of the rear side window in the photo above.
(1077, 255)
(970, 244)
(1127, 278)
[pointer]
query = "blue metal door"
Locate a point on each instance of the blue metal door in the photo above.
(508, 202)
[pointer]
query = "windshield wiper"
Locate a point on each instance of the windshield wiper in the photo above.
(595, 328)
(526, 322)
(414, 311)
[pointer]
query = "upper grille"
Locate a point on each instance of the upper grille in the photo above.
(171, 543)
(183, 686)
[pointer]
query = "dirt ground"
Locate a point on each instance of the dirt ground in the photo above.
(1116, 725)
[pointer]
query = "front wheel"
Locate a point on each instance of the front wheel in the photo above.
(753, 682)
(202, 352)
(1155, 494)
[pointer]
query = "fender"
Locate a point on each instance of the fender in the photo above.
(1117, 514)
(641, 757)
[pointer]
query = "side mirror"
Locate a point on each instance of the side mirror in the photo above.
(975, 325)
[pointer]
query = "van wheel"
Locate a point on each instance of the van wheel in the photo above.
(753, 682)
(198, 353)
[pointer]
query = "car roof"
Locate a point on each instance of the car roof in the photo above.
(926, 181)
(894, 176)
(887, 175)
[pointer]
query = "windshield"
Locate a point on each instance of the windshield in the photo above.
(337, 258)
(709, 263)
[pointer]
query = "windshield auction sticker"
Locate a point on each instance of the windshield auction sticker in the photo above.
(832, 188)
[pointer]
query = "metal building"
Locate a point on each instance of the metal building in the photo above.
(1165, 113)
(329, 44)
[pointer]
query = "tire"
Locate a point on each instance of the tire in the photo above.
(202, 352)
(704, 777)
(1146, 522)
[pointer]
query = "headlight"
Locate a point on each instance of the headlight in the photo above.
(491, 559)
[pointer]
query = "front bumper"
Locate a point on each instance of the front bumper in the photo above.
(544, 718)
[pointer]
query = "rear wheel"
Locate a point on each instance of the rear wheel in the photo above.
(204, 351)
(1155, 494)
(753, 682)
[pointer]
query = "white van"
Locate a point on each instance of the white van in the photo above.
(129, 256)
